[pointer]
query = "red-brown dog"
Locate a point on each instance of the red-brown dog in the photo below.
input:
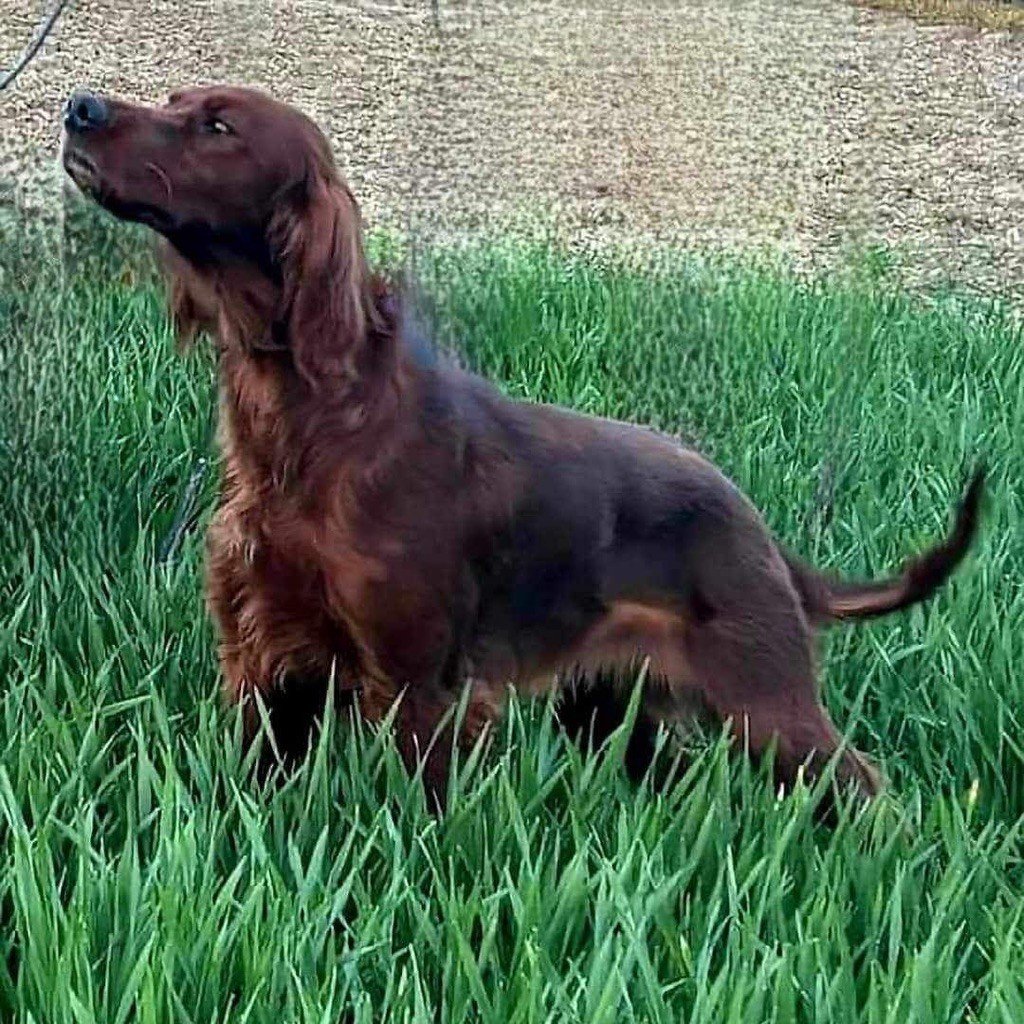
(401, 524)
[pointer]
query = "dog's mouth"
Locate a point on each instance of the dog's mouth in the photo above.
(84, 172)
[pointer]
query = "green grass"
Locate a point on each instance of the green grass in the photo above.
(143, 880)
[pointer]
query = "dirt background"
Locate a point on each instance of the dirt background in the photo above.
(814, 128)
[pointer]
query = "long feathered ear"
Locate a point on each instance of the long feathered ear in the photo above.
(327, 308)
(191, 298)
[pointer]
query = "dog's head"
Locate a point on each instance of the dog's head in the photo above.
(265, 236)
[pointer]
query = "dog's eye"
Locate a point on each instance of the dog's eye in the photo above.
(215, 126)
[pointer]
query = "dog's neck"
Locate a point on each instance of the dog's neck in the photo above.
(270, 416)
(241, 247)
(270, 413)
(226, 284)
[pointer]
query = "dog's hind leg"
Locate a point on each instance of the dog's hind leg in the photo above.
(750, 652)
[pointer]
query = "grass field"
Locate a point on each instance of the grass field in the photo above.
(143, 880)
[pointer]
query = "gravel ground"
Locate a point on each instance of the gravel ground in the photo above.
(810, 127)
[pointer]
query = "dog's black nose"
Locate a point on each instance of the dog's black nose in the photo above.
(85, 111)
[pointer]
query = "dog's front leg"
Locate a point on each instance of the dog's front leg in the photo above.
(425, 725)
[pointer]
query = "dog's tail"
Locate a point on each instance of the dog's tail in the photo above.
(827, 600)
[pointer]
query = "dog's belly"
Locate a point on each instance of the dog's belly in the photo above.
(592, 576)
(620, 640)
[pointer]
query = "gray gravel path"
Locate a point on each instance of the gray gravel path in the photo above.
(810, 127)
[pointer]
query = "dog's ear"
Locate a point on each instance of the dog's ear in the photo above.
(326, 301)
(191, 298)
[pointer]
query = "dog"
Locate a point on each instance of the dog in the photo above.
(398, 526)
